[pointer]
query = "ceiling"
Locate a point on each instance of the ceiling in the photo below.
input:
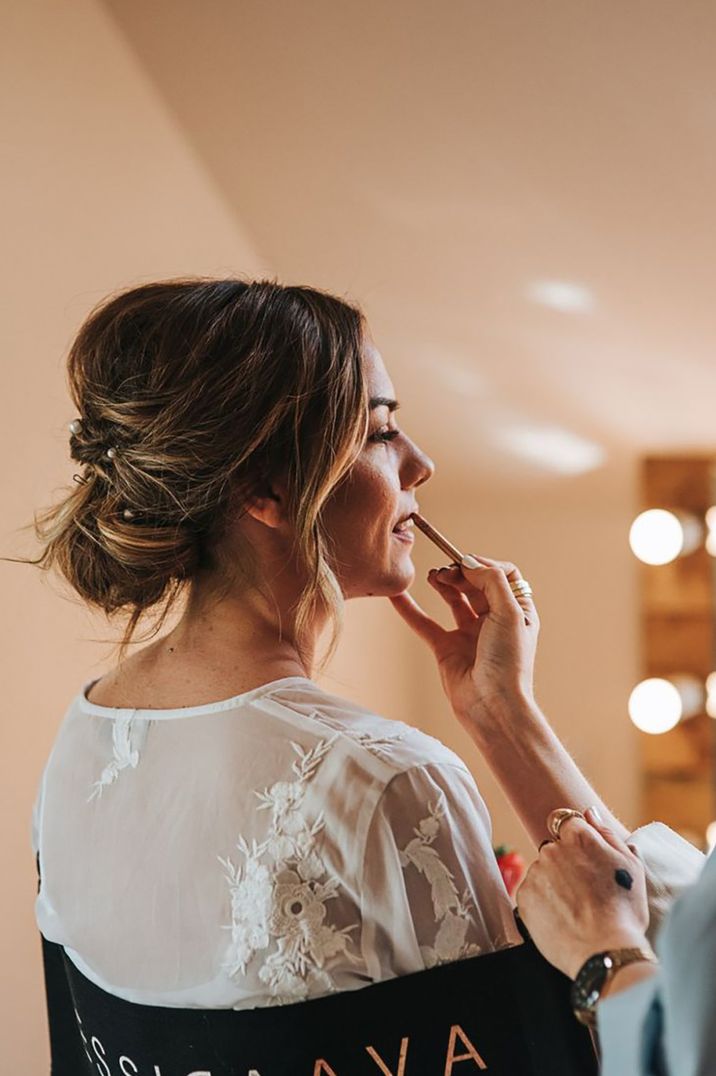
(441, 164)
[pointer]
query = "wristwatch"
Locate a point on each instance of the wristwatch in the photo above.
(595, 973)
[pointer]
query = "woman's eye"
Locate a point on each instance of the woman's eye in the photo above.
(385, 435)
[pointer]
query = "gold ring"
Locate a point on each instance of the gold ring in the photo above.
(556, 818)
(520, 586)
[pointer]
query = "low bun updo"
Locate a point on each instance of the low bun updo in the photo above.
(190, 395)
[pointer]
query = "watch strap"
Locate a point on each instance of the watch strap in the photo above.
(621, 957)
(613, 960)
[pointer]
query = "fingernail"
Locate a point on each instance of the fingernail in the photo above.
(594, 815)
(468, 561)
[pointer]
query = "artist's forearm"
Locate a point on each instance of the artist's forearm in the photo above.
(535, 770)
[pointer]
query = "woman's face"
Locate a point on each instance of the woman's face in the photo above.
(378, 491)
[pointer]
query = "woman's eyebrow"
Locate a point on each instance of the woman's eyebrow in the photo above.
(384, 401)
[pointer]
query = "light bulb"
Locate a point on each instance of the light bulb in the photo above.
(658, 536)
(692, 693)
(711, 533)
(711, 836)
(655, 706)
(711, 694)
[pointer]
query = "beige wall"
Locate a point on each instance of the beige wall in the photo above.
(101, 191)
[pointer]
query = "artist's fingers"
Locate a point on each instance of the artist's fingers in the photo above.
(609, 834)
(452, 576)
(576, 830)
(464, 614)
(512, 574)
(486, 588)
(511, 570)
(592, 838)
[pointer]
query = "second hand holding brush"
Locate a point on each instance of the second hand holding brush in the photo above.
(486, 664)
(486, 661)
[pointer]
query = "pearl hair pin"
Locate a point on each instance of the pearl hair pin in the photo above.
(74, 427)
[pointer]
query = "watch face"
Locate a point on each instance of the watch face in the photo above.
(587, 987)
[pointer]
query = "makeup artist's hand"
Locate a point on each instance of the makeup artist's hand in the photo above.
(487, 660)
(571, 903)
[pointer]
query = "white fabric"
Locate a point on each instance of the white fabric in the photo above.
(671, 863)
(278, 845)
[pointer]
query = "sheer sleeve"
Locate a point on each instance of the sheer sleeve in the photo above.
(432, 889)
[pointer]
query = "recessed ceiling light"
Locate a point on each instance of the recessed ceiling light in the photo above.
(552, 448)
(462, 381)
(561, 295)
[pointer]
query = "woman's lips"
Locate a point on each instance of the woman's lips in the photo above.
(405, 536)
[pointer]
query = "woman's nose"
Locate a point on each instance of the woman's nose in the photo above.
(422, 467)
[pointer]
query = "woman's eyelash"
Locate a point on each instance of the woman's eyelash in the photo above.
(385, 435)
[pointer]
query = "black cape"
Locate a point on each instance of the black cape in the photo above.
(505, 1013)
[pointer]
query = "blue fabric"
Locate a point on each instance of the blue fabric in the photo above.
(666, 1025)
(627, 1031)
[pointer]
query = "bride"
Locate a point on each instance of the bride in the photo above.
(213, 828)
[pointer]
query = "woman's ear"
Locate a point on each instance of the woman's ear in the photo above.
(267, 504)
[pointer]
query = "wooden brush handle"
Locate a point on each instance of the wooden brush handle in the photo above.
(437, 538)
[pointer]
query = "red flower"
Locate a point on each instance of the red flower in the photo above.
(512, 867)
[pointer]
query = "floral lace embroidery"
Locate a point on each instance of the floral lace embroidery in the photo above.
(375, 744)
(452, 913)
(279, 895)
(127, 741)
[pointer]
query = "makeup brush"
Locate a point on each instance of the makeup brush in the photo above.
(436, 537)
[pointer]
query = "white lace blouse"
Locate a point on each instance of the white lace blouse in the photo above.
(278, 845)
(271, 847)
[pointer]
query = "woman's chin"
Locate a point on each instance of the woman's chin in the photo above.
(394, 580)
(405, 571)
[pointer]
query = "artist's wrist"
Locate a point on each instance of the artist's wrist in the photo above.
(610, 937)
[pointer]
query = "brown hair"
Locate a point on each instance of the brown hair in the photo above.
(205, 389)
